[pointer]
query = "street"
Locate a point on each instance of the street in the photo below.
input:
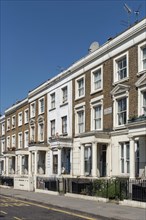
(11, 208)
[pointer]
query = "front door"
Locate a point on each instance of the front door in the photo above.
(103, 161)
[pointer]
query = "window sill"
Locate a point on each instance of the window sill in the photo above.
(120, 81)
(63, 104)
(95, 91)
(32, 116)
(94, 130)
(51, 109)
(120, 127)
(141, 72)
(63, 134)
(40, 113)
(78, 98)
(40, 141)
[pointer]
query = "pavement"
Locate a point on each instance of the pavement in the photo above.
(102, 210)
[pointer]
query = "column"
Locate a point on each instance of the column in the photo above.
(82, 153)
(7, 166)
(36, 163)
(132, 158)
(20, 164)
(71, 161)
(49, 162)
(30, 164)
(46, 157)
(108, 160)
(94, 159)
(4, 171)
(16, 162)
(59, 161)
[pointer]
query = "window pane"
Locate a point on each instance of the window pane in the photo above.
(64, 124)
(88, 160)
(122, 111)
(55, 164)
(144, 58)
(127, 151)
(53, 100)
(64, 94)
(97, 79)
(144, 103)
(41, 105)
(41, 130)
(53, 128)
(81, 87)
(122, 151)
(122, 68)
(81, 122)
(97, 117)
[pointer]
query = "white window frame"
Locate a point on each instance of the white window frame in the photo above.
(32, 109)
(115, 68)
(141, 70)
(20, 140)
(8, 142)
(55, 165)
(88, 160)
(13, 121)
(77, 96)
(3, 146)
(140, 100)
(115, 109)
(78, 108)
(125, 158)
(3, 128)
(14, 140)
(64, 94)
(52, 100)
(93, 72)
(8, 124)
(26, 116)
(41, 107)
(20, 119)
(95, 102)
(26, 138)
(40, 132)
(64, 124)
(32, 134)
(52, 129)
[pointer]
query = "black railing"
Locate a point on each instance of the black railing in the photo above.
(7, 181)
(51, 184)
(117, 189)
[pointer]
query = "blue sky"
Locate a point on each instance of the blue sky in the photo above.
(39, 38)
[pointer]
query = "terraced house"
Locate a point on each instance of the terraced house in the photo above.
(109, 91)
(88, 122)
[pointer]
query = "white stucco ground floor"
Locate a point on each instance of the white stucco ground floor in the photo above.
(120, 153)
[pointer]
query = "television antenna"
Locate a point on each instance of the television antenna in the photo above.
(137, 12)
(129, 11)
(60, 68)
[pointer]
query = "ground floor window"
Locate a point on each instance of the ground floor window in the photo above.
(88, 160)
(55, 164)
(125, 157)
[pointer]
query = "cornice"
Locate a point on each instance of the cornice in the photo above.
(16, 106)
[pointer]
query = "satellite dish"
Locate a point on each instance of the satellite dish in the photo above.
(94, 46)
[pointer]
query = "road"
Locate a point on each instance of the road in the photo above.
(16, 209)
